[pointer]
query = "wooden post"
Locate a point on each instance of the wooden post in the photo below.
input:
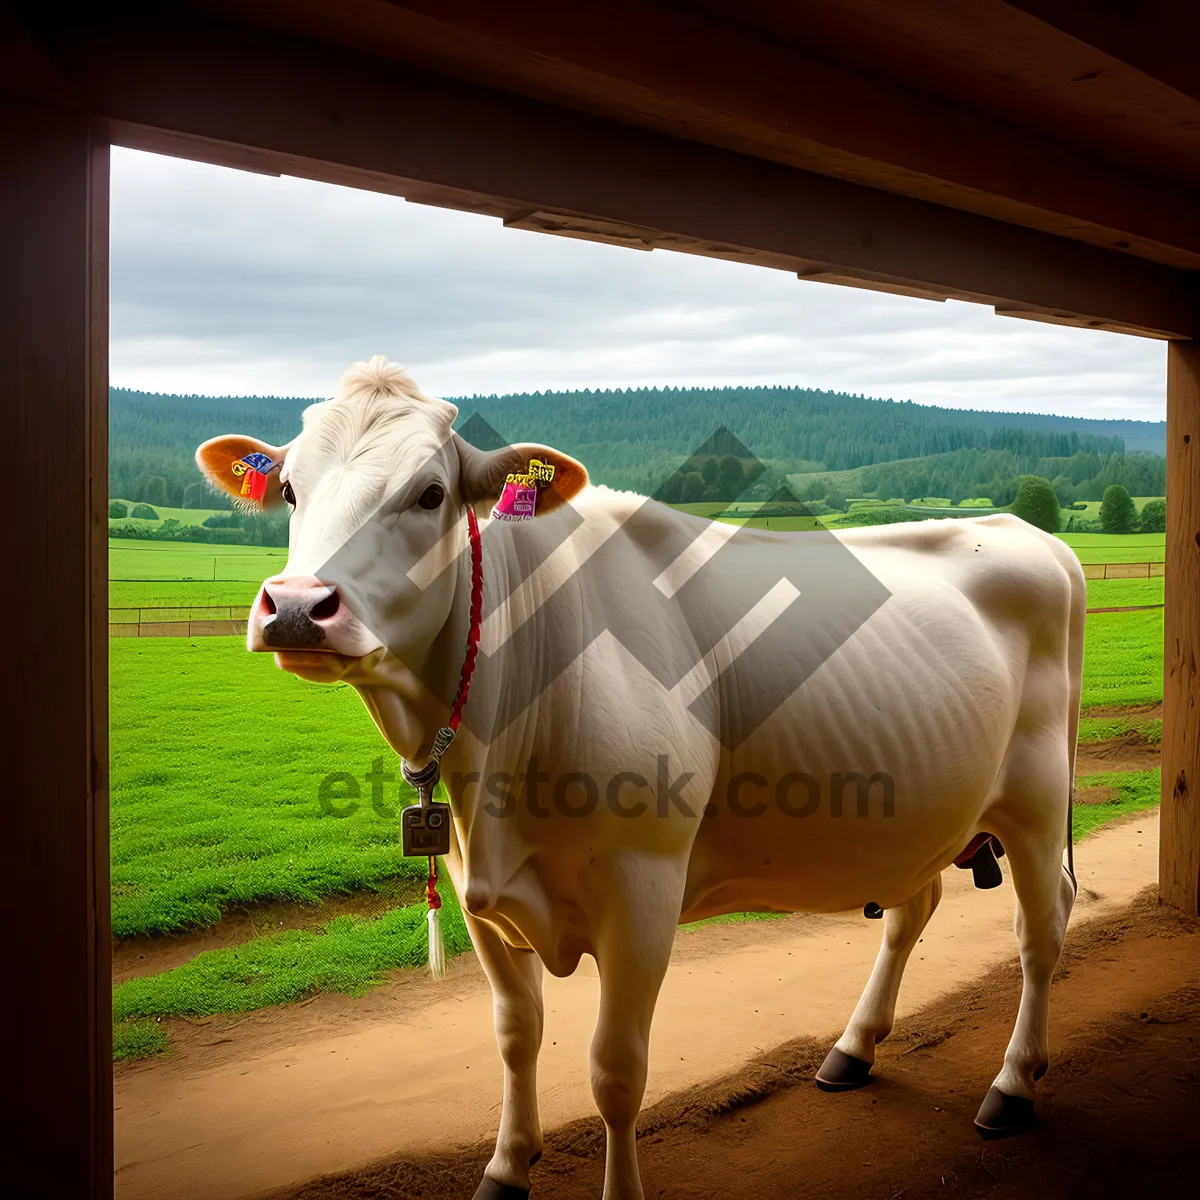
(1179, 836)
(54, 887)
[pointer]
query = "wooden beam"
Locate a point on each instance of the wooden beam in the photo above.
(1160, 38)
(653, 65)
(54, 882)
(325, 113)
(1179, 829)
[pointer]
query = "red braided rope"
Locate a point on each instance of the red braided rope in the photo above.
(468, 667)
(432, 899)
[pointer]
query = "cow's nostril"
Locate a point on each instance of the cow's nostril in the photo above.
(268, 603)
(325, 608)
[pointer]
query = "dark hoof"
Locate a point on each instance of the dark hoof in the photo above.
(842, 1072)
(1001, 1115)
(489, 1189)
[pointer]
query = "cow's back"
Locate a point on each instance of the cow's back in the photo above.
(972, 643)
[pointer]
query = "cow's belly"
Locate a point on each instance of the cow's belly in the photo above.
(922, 717)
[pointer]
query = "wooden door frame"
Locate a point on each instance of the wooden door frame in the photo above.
(54, 363)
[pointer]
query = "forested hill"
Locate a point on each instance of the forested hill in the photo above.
(632, 437)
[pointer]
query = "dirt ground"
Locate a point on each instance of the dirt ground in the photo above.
(1130, 752)
(1117, 1110)
(265, 1101)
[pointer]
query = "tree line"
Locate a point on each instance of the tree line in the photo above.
(645, 440)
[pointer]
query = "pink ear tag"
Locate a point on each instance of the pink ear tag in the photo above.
(518, 500)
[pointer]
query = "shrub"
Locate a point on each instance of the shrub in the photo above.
(1037, 503)
(1154, 516)
(887, 516)
(976, 502)
(227, 520)
(836, 501)
(691, 487)
(144, 512)
(117, 509)
(1118, 514)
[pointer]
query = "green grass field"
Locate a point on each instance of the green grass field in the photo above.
(1110, 593)
(217, 764)
(184, 561)
(1113, 547)
(1123, 659)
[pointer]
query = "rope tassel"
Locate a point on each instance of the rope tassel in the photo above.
(437, 948)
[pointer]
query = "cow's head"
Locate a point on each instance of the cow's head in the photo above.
(378, 485)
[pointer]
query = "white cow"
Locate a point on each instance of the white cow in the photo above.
(953, 705)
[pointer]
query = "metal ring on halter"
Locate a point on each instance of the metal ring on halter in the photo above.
(425, 778)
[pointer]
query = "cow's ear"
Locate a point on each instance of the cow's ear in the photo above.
(485, 471)
(222, 460)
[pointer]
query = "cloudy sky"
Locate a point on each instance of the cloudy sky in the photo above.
(225, 282)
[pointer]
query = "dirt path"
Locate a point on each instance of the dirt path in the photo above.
(269, 1100)
(1129, 752)
(1117, 1109)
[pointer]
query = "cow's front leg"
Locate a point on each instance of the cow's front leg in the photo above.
(516, 979)
(633, 947)
(848, 1064)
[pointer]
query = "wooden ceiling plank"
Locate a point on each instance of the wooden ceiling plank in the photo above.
(661, 68)
(1159, 38)
(325, 113)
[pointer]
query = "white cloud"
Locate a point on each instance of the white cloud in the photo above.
(229, 282)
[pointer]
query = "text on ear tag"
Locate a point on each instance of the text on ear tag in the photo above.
(518, 500)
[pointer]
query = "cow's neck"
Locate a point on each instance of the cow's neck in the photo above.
(409, 700)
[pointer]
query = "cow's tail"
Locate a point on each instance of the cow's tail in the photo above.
(1075, 634)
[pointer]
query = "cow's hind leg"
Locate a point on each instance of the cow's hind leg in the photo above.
(848, 1064)
(1045, 895)
(516, 979)
(632, 951)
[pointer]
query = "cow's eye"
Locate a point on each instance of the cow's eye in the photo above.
(289, 495)
(432, 496)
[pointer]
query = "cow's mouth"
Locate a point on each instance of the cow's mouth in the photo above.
(316, 664)
(324, 666)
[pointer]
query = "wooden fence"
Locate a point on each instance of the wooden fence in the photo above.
(212, 620)
(1145, 570)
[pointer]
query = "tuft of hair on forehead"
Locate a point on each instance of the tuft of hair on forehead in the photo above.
(378, 378)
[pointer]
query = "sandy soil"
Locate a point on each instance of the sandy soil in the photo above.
(278, 1097)
(1130, 752)
(1117, 1109)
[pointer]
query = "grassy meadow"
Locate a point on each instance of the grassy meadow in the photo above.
(218, 759)
(217, 766)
